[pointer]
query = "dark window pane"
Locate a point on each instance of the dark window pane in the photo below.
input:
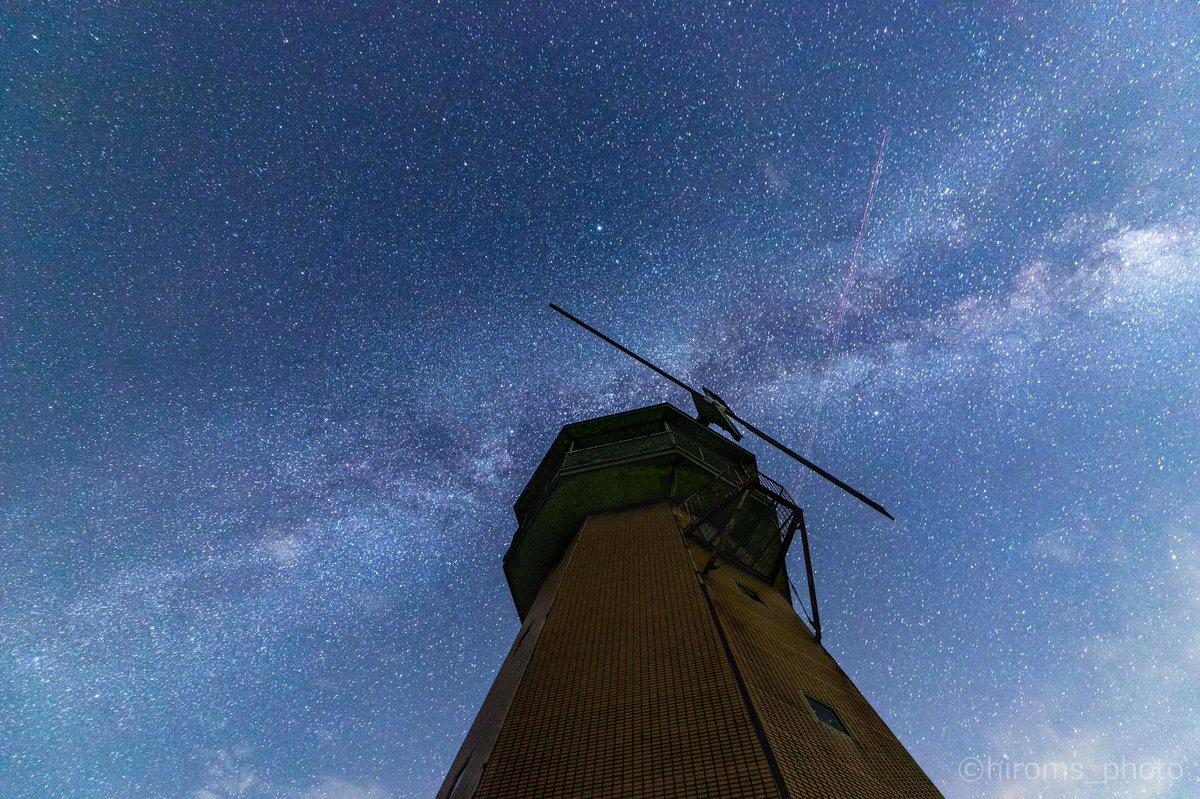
(750, 592)
(828, 715)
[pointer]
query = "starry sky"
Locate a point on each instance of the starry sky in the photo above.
(275, 361)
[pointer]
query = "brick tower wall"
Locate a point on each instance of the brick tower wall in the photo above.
(628, 692)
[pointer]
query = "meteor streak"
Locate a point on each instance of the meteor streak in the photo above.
(842, 300)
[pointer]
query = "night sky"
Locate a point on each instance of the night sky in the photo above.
(275, 361)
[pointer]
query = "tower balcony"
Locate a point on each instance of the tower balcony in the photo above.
(650, 455)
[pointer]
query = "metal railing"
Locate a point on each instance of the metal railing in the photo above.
(617, 452)
(744, 516)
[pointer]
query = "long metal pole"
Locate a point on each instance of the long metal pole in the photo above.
(861, 497)
(812, 585)
(786, 450)
(624, 349)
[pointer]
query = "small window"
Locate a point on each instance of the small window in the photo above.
(828, 715)
(750, 592)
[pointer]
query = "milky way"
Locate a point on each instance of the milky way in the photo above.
(275, 361)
